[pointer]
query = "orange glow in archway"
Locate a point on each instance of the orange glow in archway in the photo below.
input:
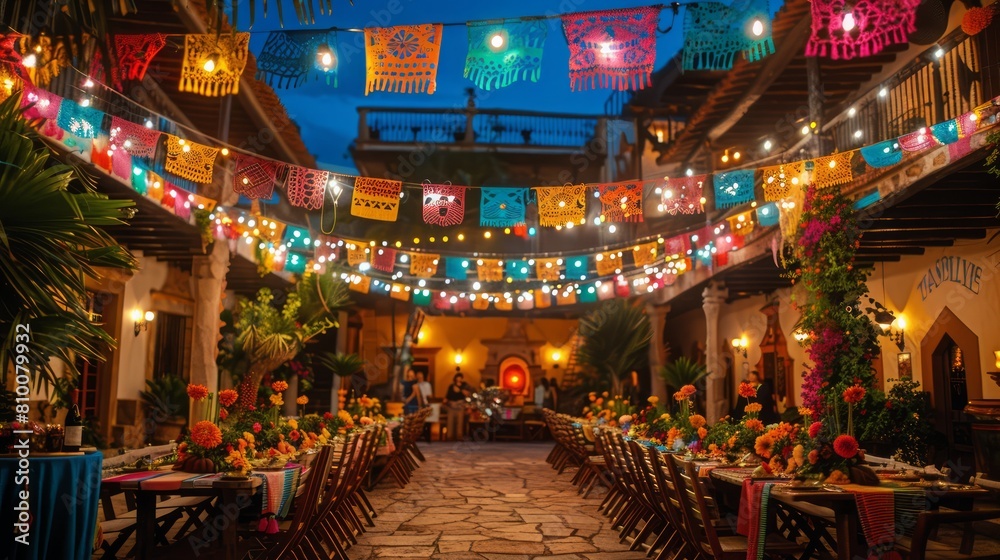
(513, 378)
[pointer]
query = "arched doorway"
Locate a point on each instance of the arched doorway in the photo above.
(949, 356)
(515, 375)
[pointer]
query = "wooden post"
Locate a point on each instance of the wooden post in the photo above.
(363, 125)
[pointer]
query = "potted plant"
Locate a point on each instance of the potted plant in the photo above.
(166, 404)
(269, 336)
(615, 342)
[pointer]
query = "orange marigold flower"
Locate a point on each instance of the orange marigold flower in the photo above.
(279, 386)
(806, 411)
(228, 397)
(754, 425)
(747, 390)
(276, 400)
(763, 446)
(688, 390)
(702, 433)
(813, 456)
(206, 434)
(697, 420)
(854, 394)
(197, 392)
(679, 396)
(845, 446)
(303, 400)
(752, 408)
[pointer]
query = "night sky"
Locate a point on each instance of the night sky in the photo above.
(328, 115)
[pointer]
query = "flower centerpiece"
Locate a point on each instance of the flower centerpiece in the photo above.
(831, 453)
(606, 410)
(237, 442)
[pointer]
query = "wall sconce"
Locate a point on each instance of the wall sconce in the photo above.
(885, 319)
(996, 354)
(800, 335)
(458, 358)
(556, 355)
(740, 345)
(141, 320)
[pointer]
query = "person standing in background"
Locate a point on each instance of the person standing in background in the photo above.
(411, 398)
(455, 397)
(541, 391)
(553, 394)
(424, 389)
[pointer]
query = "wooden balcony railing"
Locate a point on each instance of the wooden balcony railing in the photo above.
(946, 81)
(477, 126)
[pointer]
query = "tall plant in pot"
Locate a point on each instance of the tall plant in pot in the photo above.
(615, 342)
(165, 401)
(269, 336)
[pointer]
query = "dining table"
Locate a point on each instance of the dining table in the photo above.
(219, 533)
(843, 502)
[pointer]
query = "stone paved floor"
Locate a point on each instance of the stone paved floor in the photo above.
(496, 501)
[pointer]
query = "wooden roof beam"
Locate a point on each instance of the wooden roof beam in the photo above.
(774, 66)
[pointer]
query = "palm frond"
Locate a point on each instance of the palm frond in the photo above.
(50, 243)
(341, 365)
(681, 372)
(615, 340)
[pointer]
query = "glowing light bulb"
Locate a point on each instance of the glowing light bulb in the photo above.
(768, 144)
(852, 111)
(211, 63)
(29, 61)
(736, 156)
(224, 151)
(858, 133)
(90, 83)
(805, 129)
(497, 41)
(605, 48)
(848, 22)
(487, 235)
(725, 157)
(85, 102)
(758, 27)
(883, 92)
(612, 228)
(689, 172)
(325, 57)
(939, 52)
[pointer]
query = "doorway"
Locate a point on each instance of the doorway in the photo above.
(94, 382)
(952, 373)
(951, 388)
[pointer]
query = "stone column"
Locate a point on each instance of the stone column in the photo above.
(657, 356)
(208, 275)
(712, 298)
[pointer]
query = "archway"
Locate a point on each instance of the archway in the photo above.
(949, 358)
(515, 375)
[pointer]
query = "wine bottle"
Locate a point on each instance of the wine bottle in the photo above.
(74, 426)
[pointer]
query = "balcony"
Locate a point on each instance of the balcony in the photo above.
(511, 131)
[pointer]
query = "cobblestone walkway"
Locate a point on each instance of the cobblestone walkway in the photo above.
(496, 501)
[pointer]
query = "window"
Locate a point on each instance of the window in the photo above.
(172, 354)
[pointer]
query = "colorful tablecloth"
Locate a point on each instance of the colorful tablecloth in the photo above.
(752, 520)
(63, 497)
(277, 492)
(878, 513)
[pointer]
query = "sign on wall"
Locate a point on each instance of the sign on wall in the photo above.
(957, 270)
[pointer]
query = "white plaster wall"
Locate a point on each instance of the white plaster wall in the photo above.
(980, 312)
(133, 350)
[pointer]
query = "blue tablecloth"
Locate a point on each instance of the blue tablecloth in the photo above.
(63, 501)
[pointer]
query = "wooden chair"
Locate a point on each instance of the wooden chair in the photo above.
(684, 544)
(702, 520)
(286, 543)
(921, 547)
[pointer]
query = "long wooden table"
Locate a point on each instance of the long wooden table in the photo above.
(220, 531)
(844, 506)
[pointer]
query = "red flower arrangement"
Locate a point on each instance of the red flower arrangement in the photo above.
(228, 397)
(845, 446)
(977, 19)
(814, 429)
(747, 390)
(854, 394)
(206, 434)
(197, 392)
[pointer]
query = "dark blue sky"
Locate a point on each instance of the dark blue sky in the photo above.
(328, 116)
